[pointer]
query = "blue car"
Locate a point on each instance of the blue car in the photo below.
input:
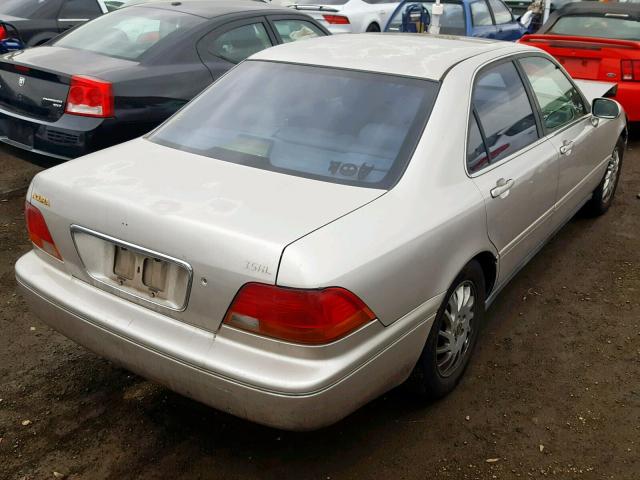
(471, 18)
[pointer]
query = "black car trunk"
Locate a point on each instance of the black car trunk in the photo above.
(35, 82)
(32, 92)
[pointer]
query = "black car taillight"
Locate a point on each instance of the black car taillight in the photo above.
(90, 97)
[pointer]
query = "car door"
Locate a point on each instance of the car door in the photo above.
(567, 123)
(231, 43)
(75, 12)
(506, 26)
(513, 167)
(291, 28)
(481, 20)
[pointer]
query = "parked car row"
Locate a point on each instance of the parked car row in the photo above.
(121, 75)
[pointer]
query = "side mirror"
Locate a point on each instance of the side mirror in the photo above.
(605, 108)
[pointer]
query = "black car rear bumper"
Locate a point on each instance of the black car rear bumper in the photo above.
(69, 137)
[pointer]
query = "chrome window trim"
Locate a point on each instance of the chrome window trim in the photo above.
(142, 250)
(73, 19)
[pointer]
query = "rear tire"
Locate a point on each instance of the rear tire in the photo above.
(603, 195)
(453, 335)
(374, 27)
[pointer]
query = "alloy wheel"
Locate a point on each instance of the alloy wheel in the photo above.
(610, 176)
(454, 336)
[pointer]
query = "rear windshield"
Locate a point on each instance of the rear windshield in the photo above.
(410, 18)
(128, 33)
(22, 8)
(334, 125)
(616, 27)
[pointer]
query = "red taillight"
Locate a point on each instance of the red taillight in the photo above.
(297, 315)
(39, 232)
(3, 32)
(336, 19)
(630, 70)
(90, 97)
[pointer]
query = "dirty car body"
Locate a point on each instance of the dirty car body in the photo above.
(285, 261)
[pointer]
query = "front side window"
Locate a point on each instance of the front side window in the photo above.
(240, 43)
(410, 18)
(559, 101)
(291, 30)
(128, 33)
(500, 12)
(334, 125)
(480, 14)
(80, 9)
(505, 115)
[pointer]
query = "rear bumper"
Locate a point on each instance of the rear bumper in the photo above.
(628, 95)
(298, 387)
(68, 137)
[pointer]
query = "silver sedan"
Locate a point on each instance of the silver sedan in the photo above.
(328, 220)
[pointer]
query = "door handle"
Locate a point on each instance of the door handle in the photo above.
(502, 188)
(566, 147)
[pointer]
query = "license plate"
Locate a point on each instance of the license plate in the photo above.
(136, 273)
(144, 273)
(20, 133)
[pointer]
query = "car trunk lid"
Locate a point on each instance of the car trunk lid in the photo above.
(588, 58)
(211, 225)
(35, 82)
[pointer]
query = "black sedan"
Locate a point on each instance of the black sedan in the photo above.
(38, 21)
(120, 75)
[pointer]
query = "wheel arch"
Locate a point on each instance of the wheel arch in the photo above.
(489, 264)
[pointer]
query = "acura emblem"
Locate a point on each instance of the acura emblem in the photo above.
(21, 81)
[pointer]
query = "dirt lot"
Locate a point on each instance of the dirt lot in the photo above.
(553, 389)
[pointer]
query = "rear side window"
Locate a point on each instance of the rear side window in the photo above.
(339, 126)
(240, 43)
(477, 157)
(500, 12)
(27, 8)
(291, 30)
(504, 111)
(80, 9)
(128, 33)
(597, 26)
(560, 102)
(480, 14)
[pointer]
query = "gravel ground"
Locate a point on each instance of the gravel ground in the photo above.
(552, 390)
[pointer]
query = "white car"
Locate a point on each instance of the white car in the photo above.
(348, 16)
(329, 219)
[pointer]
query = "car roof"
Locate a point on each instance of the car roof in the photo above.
(213, 8)
(407, 54)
